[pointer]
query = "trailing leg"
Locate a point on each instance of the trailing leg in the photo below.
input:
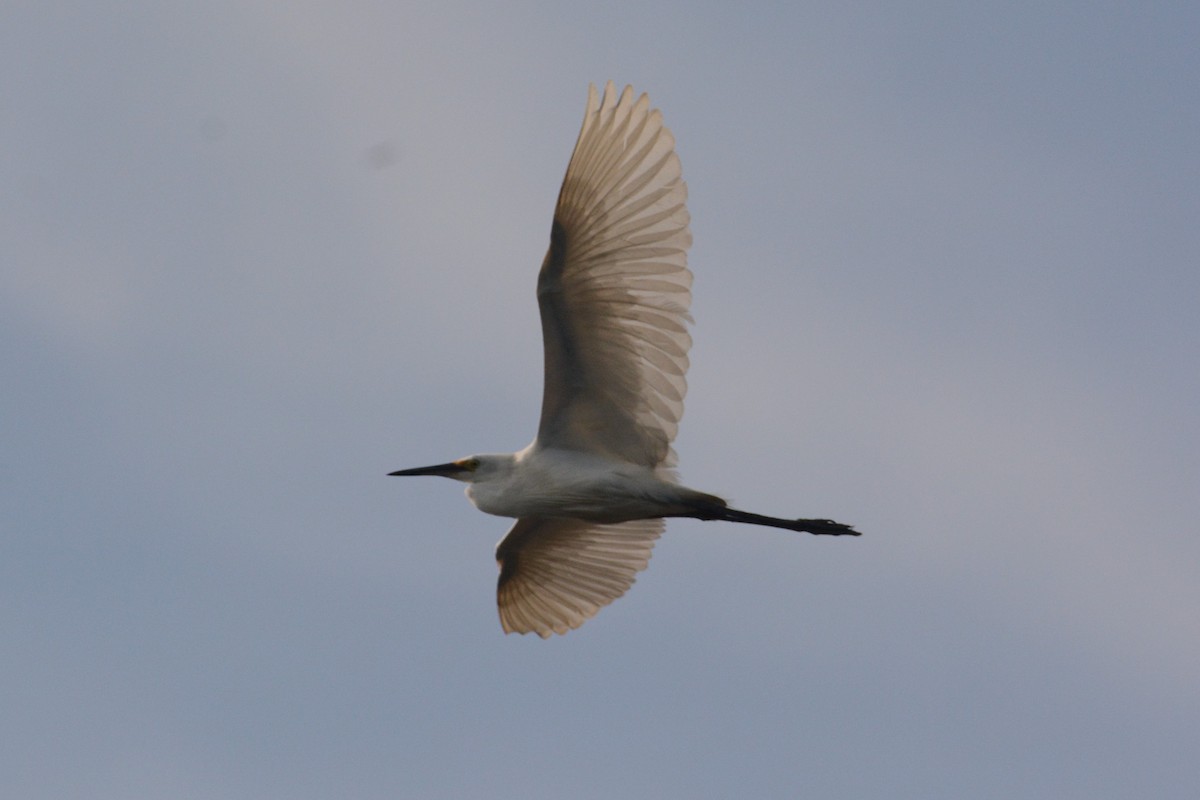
(817, 527)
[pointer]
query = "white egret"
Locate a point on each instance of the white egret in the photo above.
(591, 492)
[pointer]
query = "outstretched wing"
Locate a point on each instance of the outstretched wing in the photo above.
(614, 289)
(555, 574)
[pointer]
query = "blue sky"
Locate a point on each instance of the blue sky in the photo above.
(256, 256)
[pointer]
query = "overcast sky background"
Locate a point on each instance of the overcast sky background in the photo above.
(254, 256)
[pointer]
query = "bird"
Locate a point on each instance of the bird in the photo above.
(592, 492)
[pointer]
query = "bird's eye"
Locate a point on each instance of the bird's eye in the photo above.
(470, 464)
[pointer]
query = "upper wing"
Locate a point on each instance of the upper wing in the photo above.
(614, 289)
(555, 574)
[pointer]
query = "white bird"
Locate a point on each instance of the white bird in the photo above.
(591, 492)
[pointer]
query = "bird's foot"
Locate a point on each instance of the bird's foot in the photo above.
(826, 527)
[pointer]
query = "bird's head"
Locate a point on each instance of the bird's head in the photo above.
(468, 470)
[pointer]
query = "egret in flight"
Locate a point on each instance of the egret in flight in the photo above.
(591, 493)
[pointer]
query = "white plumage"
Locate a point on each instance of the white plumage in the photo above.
(591, 491)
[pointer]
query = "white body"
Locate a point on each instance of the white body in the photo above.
(552, 482)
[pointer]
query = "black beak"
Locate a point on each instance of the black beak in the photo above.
(445, 470)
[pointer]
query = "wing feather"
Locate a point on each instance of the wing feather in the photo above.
(555, 574)
(614, 289)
